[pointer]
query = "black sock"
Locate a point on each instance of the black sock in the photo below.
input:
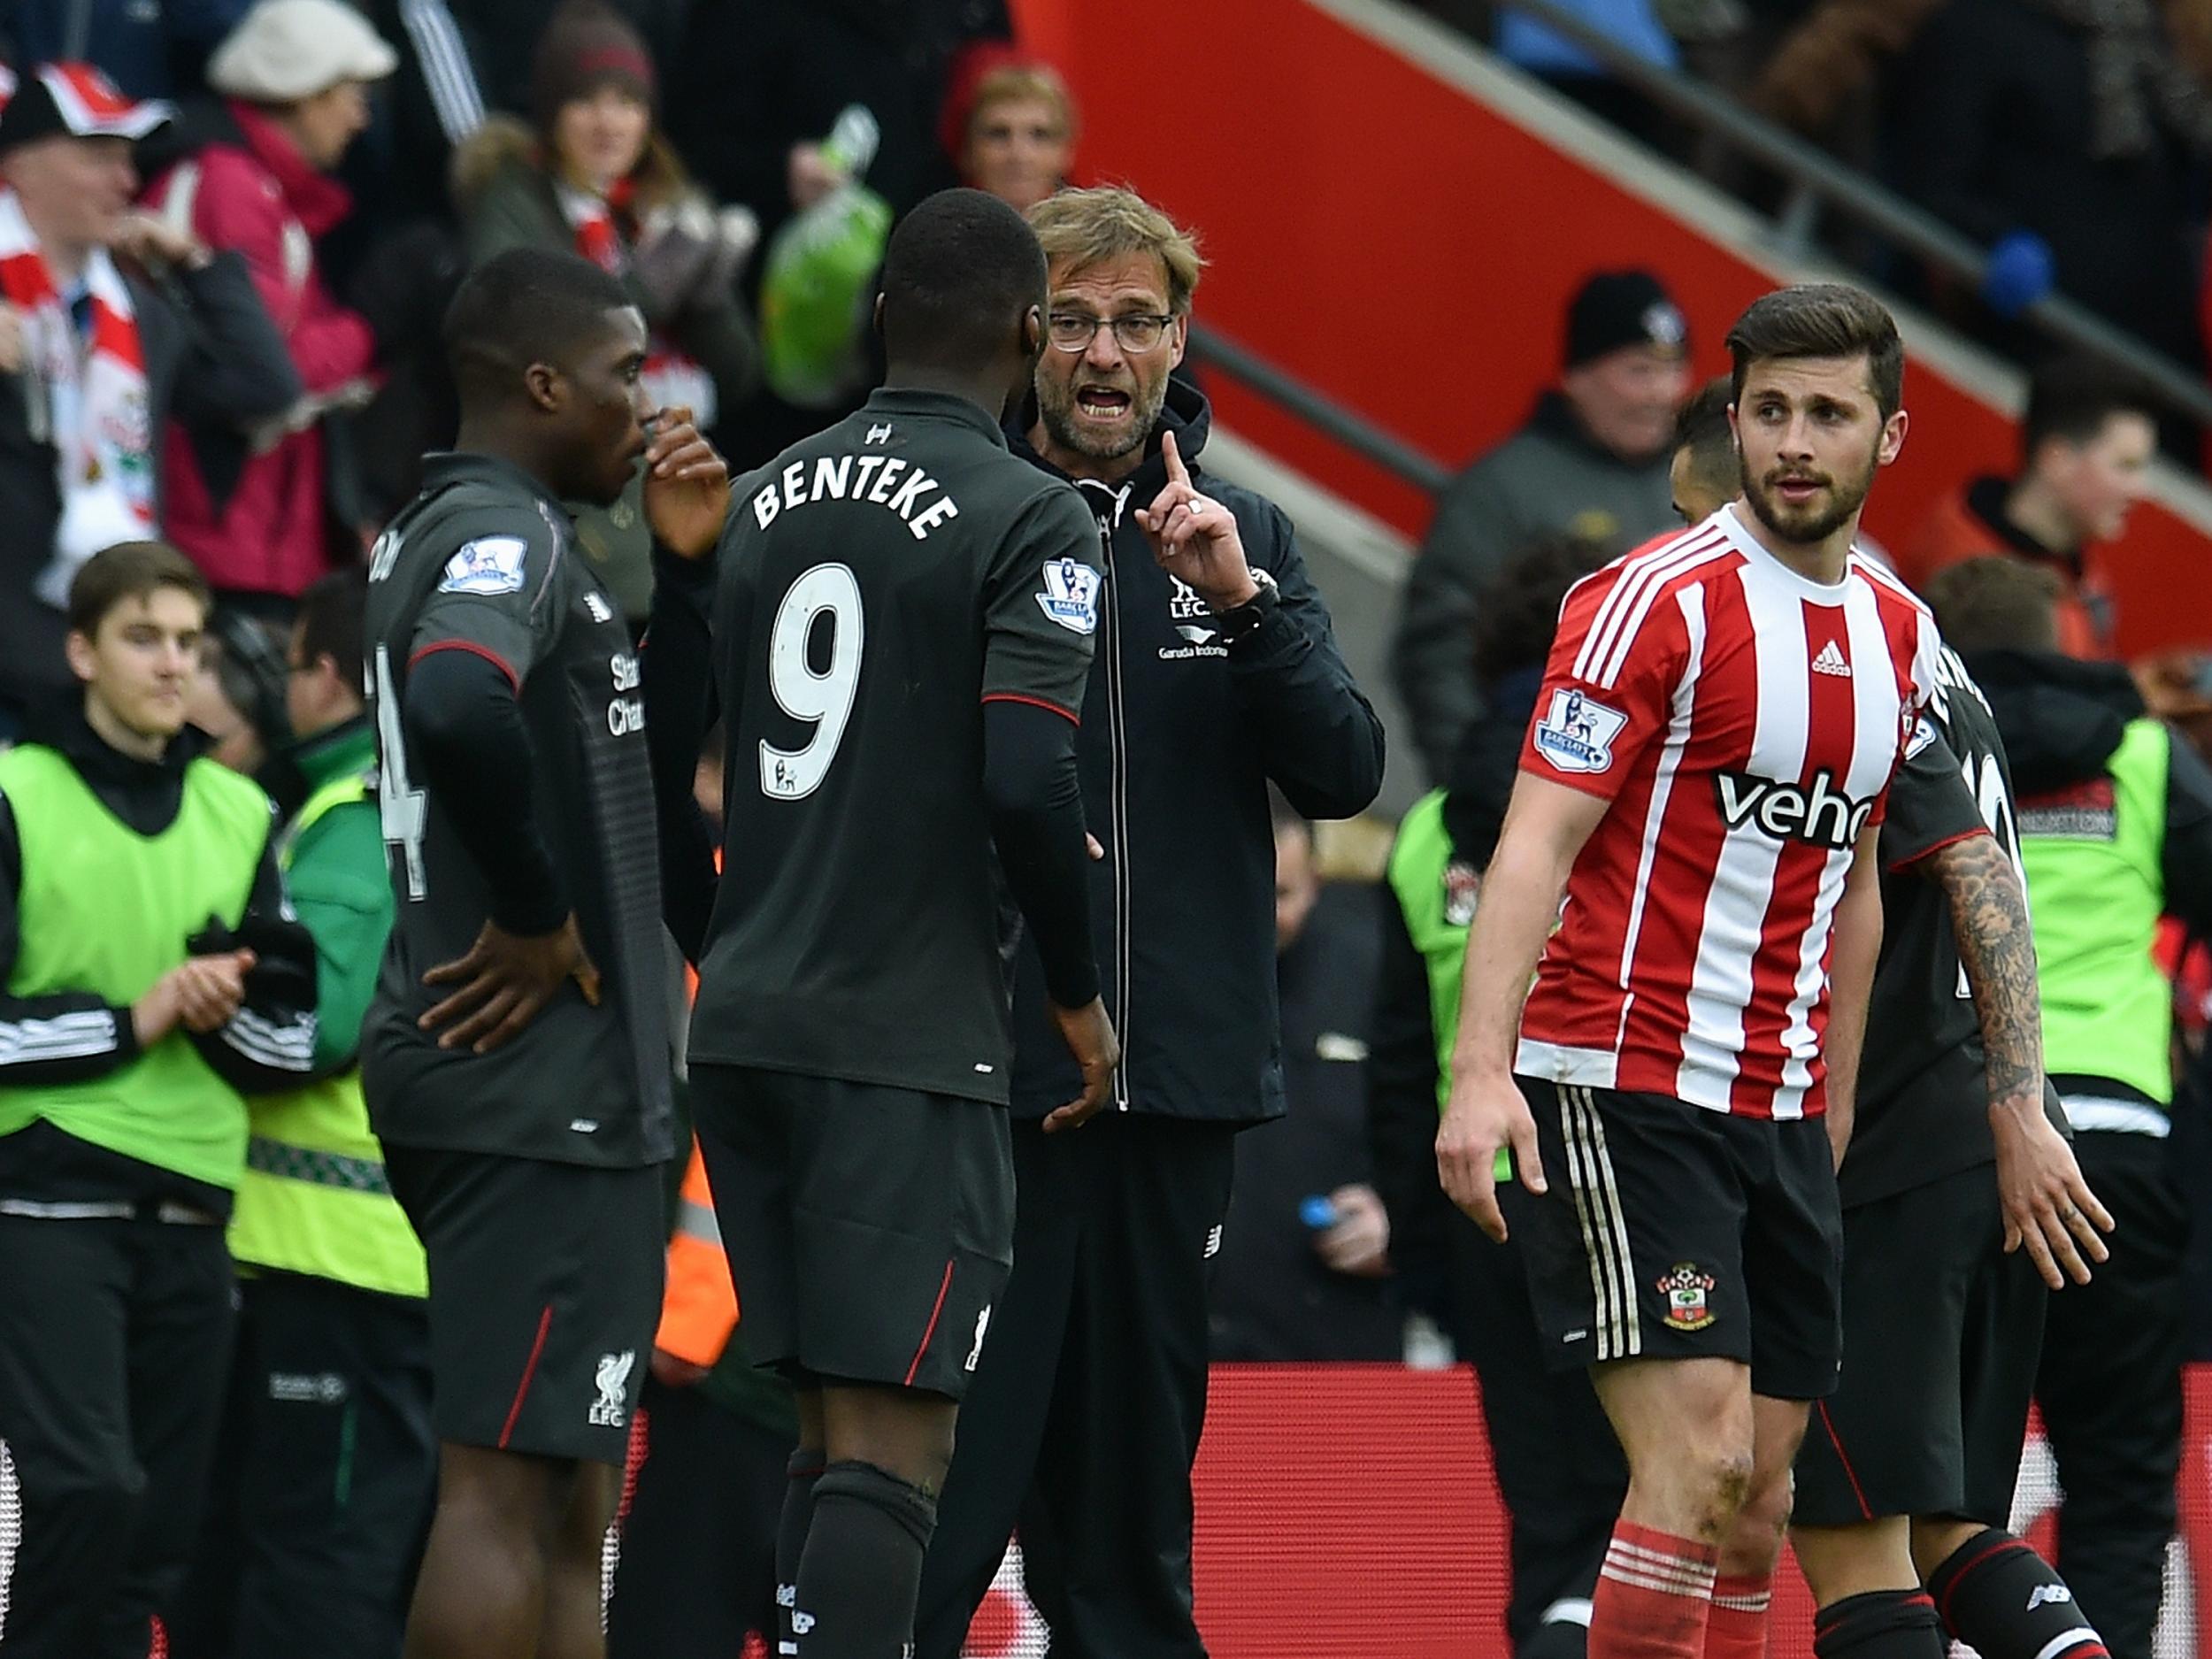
(862, 1571)
(1880, 1624)
(798, 1514)
(2005, 1601)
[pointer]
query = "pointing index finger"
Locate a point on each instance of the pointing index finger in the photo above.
(1177, 473)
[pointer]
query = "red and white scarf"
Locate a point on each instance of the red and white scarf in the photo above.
(89, 396)
(671, 379)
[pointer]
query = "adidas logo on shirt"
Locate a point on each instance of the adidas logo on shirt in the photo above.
(1830, 662)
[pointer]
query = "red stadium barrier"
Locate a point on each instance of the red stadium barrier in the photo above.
(1351, 1509)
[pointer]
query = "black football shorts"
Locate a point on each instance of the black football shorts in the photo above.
(1670, 1231)
(545, 1292)
(1942, 1331)
(869, 1228)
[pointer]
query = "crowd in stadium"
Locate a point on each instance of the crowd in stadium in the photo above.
(263, 262)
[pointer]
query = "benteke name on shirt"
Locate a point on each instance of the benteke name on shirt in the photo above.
(888, 480)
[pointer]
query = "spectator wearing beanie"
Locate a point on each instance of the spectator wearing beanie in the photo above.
(1591, 463)
(1008, 124)
(597, 177)
(254, 175)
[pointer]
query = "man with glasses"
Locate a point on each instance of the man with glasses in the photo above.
(1216, 672)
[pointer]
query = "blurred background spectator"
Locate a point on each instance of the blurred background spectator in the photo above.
(1591, 462)
(149, 51)
(111, 322)
(1303, 1272)
(2085, 448)
(1008, 124)
(2070, 137)
(251, 172)
(596, 175)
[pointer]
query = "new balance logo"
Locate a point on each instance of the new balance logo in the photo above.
(2048, 1595)
(1830, 662)
(601, 610)
(879, 434)
(1823, 815)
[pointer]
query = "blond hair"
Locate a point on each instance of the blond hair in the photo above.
(1080, 229)
(1020, 82)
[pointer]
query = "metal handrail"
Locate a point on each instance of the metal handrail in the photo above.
(1815, 175)
(1317, 410)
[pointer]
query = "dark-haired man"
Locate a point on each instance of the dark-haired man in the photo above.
(900, 633)
(1702, 784)
(2086, 448)
(1703, 472)
(1910, 1472)
(153, 973)
(517, 818)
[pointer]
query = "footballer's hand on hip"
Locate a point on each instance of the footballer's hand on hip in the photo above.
(1090, 1038)
(504, 983)
(1484, 1114)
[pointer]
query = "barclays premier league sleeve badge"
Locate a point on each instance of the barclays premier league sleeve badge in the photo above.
(1576, 734)
(1071, 596)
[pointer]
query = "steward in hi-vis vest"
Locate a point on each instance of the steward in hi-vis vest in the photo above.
(151, 975)
(2116, 830)
(330, 1481)
(1559, 1466)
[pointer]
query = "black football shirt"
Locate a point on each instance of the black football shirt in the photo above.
(877, 584)
(1922, 1107)
(485, 562)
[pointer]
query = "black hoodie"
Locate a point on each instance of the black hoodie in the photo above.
(1179, 739)
(2062, 718)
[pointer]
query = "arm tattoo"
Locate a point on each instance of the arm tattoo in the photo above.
(1989, 913)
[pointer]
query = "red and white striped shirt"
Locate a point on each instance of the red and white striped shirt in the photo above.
(1744, 722)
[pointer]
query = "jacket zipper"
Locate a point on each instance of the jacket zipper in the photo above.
(1117, 809)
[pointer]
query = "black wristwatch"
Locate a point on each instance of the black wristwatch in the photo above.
(1239, 623)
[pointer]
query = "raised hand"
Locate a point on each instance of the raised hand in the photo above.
(1194, 537)
(686, 486)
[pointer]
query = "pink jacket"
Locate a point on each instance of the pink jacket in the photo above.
(254, 191)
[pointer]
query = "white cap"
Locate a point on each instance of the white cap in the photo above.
(284, 51)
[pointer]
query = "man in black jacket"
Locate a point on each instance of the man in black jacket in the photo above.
(1216, 671)
(94, 359)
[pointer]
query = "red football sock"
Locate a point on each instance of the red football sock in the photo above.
(1652, 1596)
(1738, 1629)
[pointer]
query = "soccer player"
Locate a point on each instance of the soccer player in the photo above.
(1909, 1476)
(1702, 785)
(517, 811)
(901, 631)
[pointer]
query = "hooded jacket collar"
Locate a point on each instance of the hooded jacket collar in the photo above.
(318, 201)
(144, 794)
(2060, 717)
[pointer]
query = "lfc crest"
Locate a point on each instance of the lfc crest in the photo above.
(1685, 1289)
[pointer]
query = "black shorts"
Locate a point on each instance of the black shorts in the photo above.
(545, 1292)
(869, 1228)
(1670, 1231)
(1941, 1331)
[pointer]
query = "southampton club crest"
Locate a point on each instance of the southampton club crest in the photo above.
(1685, 1290)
